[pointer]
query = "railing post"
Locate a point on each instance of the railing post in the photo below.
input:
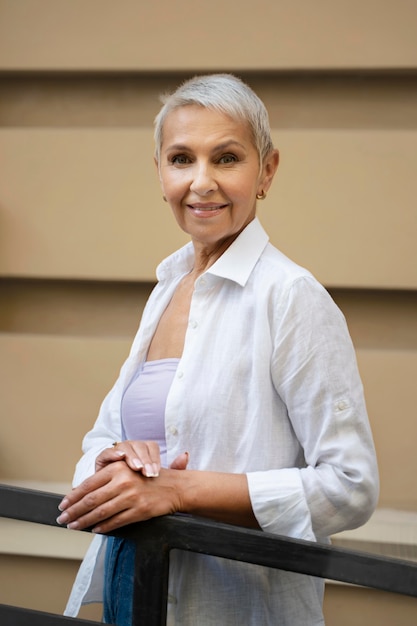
(151, 580)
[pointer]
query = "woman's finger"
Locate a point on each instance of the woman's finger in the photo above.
(87, 496)
(109, 455)
(180, 462)
(144, 456)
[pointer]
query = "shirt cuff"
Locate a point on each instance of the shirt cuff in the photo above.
(279, 503)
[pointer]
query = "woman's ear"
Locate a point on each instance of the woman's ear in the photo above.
(159, 176)
(270, 166)
(155, 160)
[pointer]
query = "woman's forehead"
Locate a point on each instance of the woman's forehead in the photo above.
(194, 122)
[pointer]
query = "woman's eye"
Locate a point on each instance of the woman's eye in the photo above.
(228, 158)
(180, 159)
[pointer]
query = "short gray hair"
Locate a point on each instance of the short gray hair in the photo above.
(225, 93)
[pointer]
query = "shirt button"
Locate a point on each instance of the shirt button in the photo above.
(341, 405)
(203, 282)
(173, 430)
(180, 374)
(193, 324)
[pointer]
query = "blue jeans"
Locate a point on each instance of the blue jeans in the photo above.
(119, 573)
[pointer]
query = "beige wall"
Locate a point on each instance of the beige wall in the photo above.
(83, 225)
(249, 34)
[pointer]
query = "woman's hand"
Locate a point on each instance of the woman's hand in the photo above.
(116, 495)
(140, 456)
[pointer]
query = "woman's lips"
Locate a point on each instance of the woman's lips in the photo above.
(206, 210)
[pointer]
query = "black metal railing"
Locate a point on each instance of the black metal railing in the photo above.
(156, 538)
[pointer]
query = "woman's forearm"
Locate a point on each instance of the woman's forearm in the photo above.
(219, 496)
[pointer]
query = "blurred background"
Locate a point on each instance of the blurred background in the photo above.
(83, 226)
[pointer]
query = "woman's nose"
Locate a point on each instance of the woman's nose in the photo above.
(203, 181)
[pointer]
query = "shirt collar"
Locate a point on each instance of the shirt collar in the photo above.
(236, 263)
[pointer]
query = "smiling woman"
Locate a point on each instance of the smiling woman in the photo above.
(240, 400)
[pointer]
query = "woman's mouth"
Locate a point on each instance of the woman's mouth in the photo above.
(206, 210)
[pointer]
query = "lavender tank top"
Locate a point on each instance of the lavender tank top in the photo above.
(143, 403)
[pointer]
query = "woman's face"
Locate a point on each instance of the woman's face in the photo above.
(210, 174)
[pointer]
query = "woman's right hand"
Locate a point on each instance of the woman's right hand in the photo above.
(140, 456)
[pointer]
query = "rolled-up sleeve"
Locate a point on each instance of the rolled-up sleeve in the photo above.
(315, 372)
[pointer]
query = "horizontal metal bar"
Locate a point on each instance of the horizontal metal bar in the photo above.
(251, 546)
(29, 505)
(16, 616)
(261, 548)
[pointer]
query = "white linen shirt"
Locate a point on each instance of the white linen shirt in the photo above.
(267, 385)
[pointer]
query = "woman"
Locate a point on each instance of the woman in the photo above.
(240, 400)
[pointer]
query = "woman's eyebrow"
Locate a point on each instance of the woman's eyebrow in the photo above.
(222, 146)
(177, 146)
(229, 144)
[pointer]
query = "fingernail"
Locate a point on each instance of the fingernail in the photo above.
(155, 469)
(120, 453)
(62, 519)
(73, 526)
(150, 471)
(63, 505)
(137, 463)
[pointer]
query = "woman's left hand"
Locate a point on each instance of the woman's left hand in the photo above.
(116, 496)
(140, 456)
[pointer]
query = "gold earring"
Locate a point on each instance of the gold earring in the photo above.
(261, 196)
